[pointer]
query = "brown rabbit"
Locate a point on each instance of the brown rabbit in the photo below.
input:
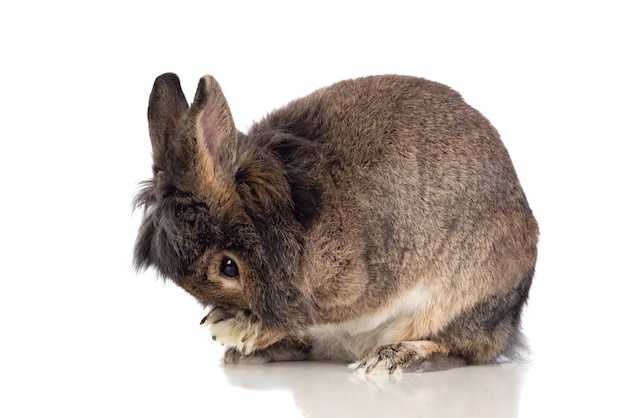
(377, 221)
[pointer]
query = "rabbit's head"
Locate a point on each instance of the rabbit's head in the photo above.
(219, 215)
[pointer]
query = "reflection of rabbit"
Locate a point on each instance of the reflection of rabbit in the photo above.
(378, 220)
(459, 392)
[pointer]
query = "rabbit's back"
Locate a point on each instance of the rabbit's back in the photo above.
(376, 135)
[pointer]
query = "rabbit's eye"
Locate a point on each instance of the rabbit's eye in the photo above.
(229, 268)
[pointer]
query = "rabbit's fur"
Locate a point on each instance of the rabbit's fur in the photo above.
(378, 221)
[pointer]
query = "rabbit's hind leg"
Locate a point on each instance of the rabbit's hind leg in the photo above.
(490, 331)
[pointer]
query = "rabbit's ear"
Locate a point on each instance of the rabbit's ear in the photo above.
(211, 115)
(167, 108)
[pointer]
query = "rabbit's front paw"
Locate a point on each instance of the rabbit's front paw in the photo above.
(408, 356)
(232, 355)
(240, 329)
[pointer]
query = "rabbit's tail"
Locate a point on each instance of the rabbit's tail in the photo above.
(518, 350)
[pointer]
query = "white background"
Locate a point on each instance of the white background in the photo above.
(83, 335)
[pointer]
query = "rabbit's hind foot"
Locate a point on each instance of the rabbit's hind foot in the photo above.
(408, 357)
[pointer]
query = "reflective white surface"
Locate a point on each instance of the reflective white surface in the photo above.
(82, 335)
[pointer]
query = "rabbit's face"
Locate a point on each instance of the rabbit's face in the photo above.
(195, 244)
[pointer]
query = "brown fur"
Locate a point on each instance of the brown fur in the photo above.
(334, 208)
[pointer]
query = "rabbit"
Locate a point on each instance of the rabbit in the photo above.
(378, 222)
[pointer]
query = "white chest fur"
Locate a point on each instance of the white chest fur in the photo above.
(410, 317)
